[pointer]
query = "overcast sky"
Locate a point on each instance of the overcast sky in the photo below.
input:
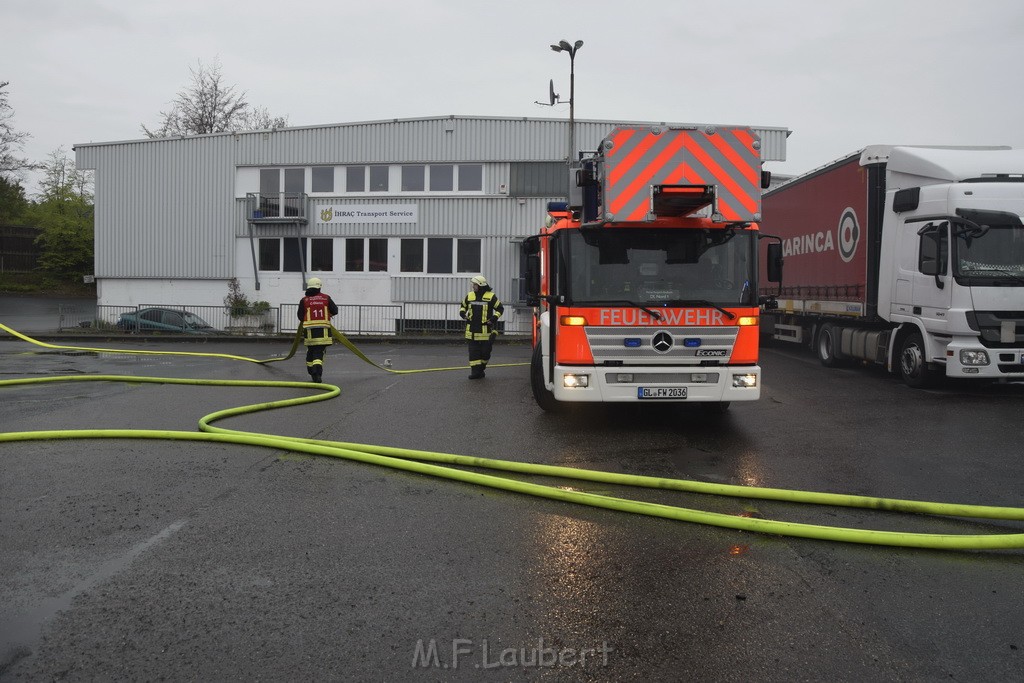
(839, 75)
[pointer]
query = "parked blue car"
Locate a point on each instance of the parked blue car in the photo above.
(164, 320)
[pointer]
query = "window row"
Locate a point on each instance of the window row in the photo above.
(404, 178)
(441, 255)
(526, 179)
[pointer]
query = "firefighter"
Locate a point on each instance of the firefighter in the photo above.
(481, 310)
(315, 312)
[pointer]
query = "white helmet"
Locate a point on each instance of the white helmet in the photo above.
(479, 280)
(314, 283)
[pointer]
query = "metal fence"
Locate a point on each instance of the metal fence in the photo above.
(408, 319)
(352, 319)
(166, 318)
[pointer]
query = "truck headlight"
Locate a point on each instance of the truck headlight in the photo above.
(573, 381)
(973, 357)
(744, 381)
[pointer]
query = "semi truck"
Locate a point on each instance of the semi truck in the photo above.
(908, 257)
(645, 282)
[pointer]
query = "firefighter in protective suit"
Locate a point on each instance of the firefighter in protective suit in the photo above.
(315, 312)
(481, 310)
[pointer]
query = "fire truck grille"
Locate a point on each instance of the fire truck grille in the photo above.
(661, 345)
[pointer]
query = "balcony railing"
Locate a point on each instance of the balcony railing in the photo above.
(277, 207)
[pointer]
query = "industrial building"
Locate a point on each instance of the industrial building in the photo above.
(394, 214)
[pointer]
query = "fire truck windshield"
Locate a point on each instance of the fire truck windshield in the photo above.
(660, 267)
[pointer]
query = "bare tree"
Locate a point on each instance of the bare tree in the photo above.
(208, 105)
(63, 181)
(11, 142)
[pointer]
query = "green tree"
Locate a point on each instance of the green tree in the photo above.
(208, 105)
(13, 205)
(65, 214)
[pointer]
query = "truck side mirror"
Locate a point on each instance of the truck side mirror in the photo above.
(531, 269)
(774, 262)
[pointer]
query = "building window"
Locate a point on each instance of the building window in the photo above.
(293, 259)
(412, 256)
(442, 178)
(379, 178)
(270, 192)
(294, 180)
(413, 179)
(471, 177)
(294, 185)
(355, 179)
(468, 258)
(354, 255)
(270, 254)
(439, 255)
(538, 179)
(378, 260)
(321, 254)
(270, 180)
(323, 179)
(357, 260)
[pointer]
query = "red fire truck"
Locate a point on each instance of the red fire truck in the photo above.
(644, 284)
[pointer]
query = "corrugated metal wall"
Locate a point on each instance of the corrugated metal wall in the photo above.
(167, 208)
(439, 139)
(161, 208)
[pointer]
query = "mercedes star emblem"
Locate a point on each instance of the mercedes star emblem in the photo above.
(662, 342)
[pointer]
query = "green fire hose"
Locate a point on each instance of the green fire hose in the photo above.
(446, 465)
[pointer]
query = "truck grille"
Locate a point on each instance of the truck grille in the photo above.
(990, 324)
(661, 345)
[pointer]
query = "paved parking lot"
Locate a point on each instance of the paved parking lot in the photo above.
(136, 559)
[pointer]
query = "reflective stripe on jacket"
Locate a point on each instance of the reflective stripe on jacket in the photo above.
(479, 308)
(316, 311)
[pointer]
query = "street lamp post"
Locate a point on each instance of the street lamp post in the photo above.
(564, 46)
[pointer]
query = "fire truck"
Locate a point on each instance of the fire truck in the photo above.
(644, 285)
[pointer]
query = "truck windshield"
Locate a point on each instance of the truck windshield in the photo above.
(660, 267)
(994, 253)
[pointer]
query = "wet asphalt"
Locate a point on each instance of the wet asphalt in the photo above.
(129, 559)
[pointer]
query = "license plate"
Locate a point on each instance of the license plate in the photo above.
(661, 392)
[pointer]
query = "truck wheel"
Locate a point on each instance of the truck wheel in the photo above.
(827, 344)
(913, 366)
(544, 398)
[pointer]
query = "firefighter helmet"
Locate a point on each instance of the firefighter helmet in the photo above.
(314, 283)
(479, 280)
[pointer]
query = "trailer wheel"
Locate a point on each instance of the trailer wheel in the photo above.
(827, 344)
(544, 398)
(913, 364)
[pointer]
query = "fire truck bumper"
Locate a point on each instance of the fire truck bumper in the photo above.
(681, 385)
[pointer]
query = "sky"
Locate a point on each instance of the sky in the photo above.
(840, 76)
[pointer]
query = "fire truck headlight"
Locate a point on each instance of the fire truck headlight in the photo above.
(573, 381)
(744, 381)
(973, 357)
